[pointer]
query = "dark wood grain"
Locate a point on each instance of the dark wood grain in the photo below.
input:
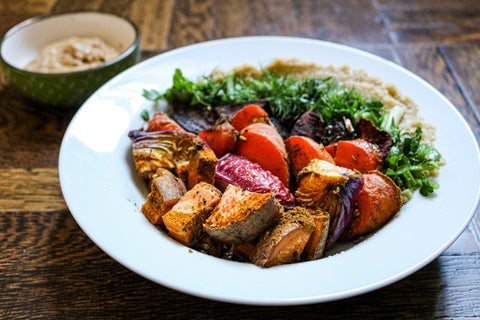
(30, 134)
(464, 62)
(430, 21)
(49, 269)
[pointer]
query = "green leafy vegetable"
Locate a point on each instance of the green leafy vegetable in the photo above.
(410, 161)
(288, 96)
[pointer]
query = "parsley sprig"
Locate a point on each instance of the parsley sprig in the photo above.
(410, 161)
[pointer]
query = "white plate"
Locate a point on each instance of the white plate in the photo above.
(103, 192)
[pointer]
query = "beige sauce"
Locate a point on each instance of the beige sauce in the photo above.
(73, 54)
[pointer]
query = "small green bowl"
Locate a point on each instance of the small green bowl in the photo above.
(23, 43)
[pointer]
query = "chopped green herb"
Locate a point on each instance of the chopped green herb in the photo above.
(288, 96)
(409, 161)
(145, 115)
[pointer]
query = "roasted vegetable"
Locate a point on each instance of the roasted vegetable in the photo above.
(284, 243)
(301, 150)
(242, 215)
(165, 191)
(248, 115)
(369, 132)
(356, 154)
(239, 171)
(160, 121)
(261, 143)
(379, 200)
(318, 240)
(222, 138)
(185, 219)
(201, 165)
(171, 150)
(334, 131)
(243, 251)
(324, 186)
(309, 125)
(230, 110)
(191, 118)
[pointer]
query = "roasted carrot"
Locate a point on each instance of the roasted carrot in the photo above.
(160, 121)
(248, 115)
(379, 200)
(185, 219)
(221, 138)
(301, 150)
(261, 143)
(356, 154)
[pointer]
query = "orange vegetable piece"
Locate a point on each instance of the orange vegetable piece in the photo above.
(160, 121)
(261, 143)
(242, 216)
(221, 138)
(285, 242)
(165, 191)
(318, 240)
(356, 154)
(186, 218)
(379, 200)
(301, 150)
(248, 115)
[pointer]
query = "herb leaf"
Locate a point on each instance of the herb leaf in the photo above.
(145, 115)
(410, 161)
(288, 96)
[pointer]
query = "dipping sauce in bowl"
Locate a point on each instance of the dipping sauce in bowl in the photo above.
(73, 54)
(61, 59)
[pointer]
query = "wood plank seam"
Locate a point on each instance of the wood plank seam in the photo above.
(459, 82)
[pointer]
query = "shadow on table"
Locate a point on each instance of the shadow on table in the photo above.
(92, 285)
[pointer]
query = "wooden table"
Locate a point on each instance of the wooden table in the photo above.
(49, 269)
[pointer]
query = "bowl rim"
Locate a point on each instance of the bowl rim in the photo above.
(36, 19)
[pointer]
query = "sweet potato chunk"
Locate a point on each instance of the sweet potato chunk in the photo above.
(316, 244)
(185, 219)
(285, 242)
(165, 191)
(357, 154)
(242, 215)
(201, 167)
(379, 200)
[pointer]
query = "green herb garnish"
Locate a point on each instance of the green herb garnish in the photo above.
(145, 115)
(288, 96)
(410, 161)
